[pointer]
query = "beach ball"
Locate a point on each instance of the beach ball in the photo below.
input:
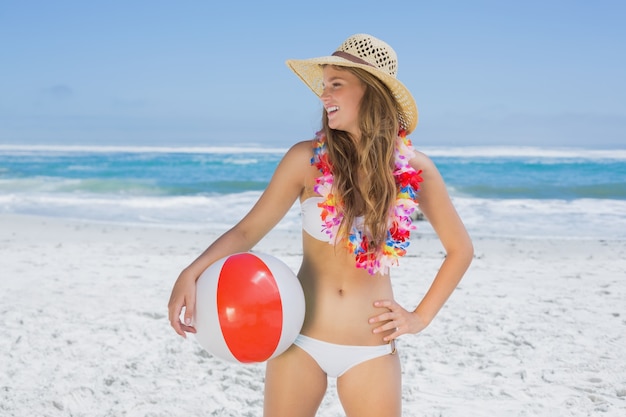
(249, 308)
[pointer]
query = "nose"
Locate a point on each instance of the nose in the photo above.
(325, 96)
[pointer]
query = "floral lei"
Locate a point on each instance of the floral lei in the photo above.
(400, 223)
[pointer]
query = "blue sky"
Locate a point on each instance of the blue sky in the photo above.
(550, 73)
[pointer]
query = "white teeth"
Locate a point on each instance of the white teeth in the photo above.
(332, 109)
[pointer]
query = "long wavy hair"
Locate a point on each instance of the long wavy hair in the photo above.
(363, 170)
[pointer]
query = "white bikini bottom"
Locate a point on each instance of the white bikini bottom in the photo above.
(335, 359)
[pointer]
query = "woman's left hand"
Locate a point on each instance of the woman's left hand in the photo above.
(398, 320)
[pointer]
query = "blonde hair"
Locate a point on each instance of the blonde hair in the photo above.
(363, 171)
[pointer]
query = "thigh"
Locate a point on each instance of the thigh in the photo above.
(294, 385)
(372, 388)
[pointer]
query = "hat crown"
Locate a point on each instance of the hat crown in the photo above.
(373, 51)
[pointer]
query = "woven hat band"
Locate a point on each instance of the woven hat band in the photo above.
(351, 58)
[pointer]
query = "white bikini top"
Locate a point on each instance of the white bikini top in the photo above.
(312, 219)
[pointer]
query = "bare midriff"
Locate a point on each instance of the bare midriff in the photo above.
(339, 297)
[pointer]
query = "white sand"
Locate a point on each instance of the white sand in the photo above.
(536, 328)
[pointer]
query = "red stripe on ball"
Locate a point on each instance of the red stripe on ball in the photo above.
(249, 308)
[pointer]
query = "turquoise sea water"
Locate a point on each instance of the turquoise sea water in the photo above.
(504, 191)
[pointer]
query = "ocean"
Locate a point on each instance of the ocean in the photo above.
(498, 191)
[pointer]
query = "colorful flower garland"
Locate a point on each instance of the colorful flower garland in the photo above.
(400, 222)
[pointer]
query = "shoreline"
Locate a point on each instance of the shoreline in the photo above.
(536, 327)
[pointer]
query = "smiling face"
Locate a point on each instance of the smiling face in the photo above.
(341, 98)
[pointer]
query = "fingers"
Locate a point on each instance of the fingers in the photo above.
(175, 311)
(174, 315)
(393, 320)
(188, 329)
(183, 297)
(385, 303)
(392, 327)
(190, 311)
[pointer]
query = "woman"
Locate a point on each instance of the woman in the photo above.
(358, 183)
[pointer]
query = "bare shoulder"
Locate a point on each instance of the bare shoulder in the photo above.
(303, 148)
(292, 167)
(300, 152)
(421, 161)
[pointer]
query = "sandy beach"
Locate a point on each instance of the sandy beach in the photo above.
(536, 328)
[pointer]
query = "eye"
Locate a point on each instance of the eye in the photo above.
(332, 85)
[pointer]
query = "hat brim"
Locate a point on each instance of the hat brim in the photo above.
(310, 71)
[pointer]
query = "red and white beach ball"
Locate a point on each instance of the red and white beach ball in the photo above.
(249, 308)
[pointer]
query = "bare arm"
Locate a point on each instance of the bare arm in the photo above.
(284, 188)
(436, 205)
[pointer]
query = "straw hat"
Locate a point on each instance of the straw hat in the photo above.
(370, 54)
